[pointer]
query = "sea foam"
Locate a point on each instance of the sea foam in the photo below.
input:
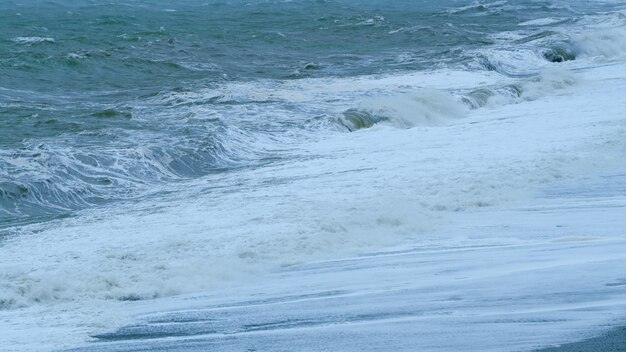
(334, 195)
(381, 186)
(33, 40)
(421, 108)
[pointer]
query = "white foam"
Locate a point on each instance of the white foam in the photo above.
(606, 43)
(477, 5)
(599, 36)
(541, 21)
(551, 81)
(33, 40)
(338, 195)
(424, 107)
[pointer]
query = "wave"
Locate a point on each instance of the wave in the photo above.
(607, 43)
(428, 107)
(479, 8)
(189, 136)
(528, 51)
(545, 84)
(33, 40)
(351, 192)
(541, 21)
(194, 187)
(207, 130)
(422, 108)
(49, 177)
(559, 53)
(230, 225)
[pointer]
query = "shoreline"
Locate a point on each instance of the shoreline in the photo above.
(612, 341)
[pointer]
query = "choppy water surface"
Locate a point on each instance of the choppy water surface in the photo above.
(101, 102)
(457, 162)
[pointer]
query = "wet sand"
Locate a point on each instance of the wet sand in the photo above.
(612, 341)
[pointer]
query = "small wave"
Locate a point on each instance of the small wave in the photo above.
(48, 177)
(526, 52)
(354, 119)
(77, 56)
(597, 36)
(374, 21)
(515, 64)
(304, 70)
(485, 96)
(559, 53)
(542, 85)
(536, 37)
(426, 107)
(112, 112)
(541, 22)
(478, 8)
(33, 40)
(607, 43)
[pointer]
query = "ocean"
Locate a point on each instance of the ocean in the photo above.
(165, 157)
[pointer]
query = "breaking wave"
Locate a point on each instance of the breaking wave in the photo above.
(434, 108)
(547, 83)
(188, 136)
(33, 40)
(48, 178)
(422, 108)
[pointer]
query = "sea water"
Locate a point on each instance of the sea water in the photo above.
(152, 148)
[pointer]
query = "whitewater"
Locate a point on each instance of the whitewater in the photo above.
(476, 207)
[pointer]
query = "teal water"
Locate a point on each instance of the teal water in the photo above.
(106, 101)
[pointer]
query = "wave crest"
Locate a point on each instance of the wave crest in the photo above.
(425, 107)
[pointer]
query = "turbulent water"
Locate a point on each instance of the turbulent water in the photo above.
(102, 102)
(150, 148)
